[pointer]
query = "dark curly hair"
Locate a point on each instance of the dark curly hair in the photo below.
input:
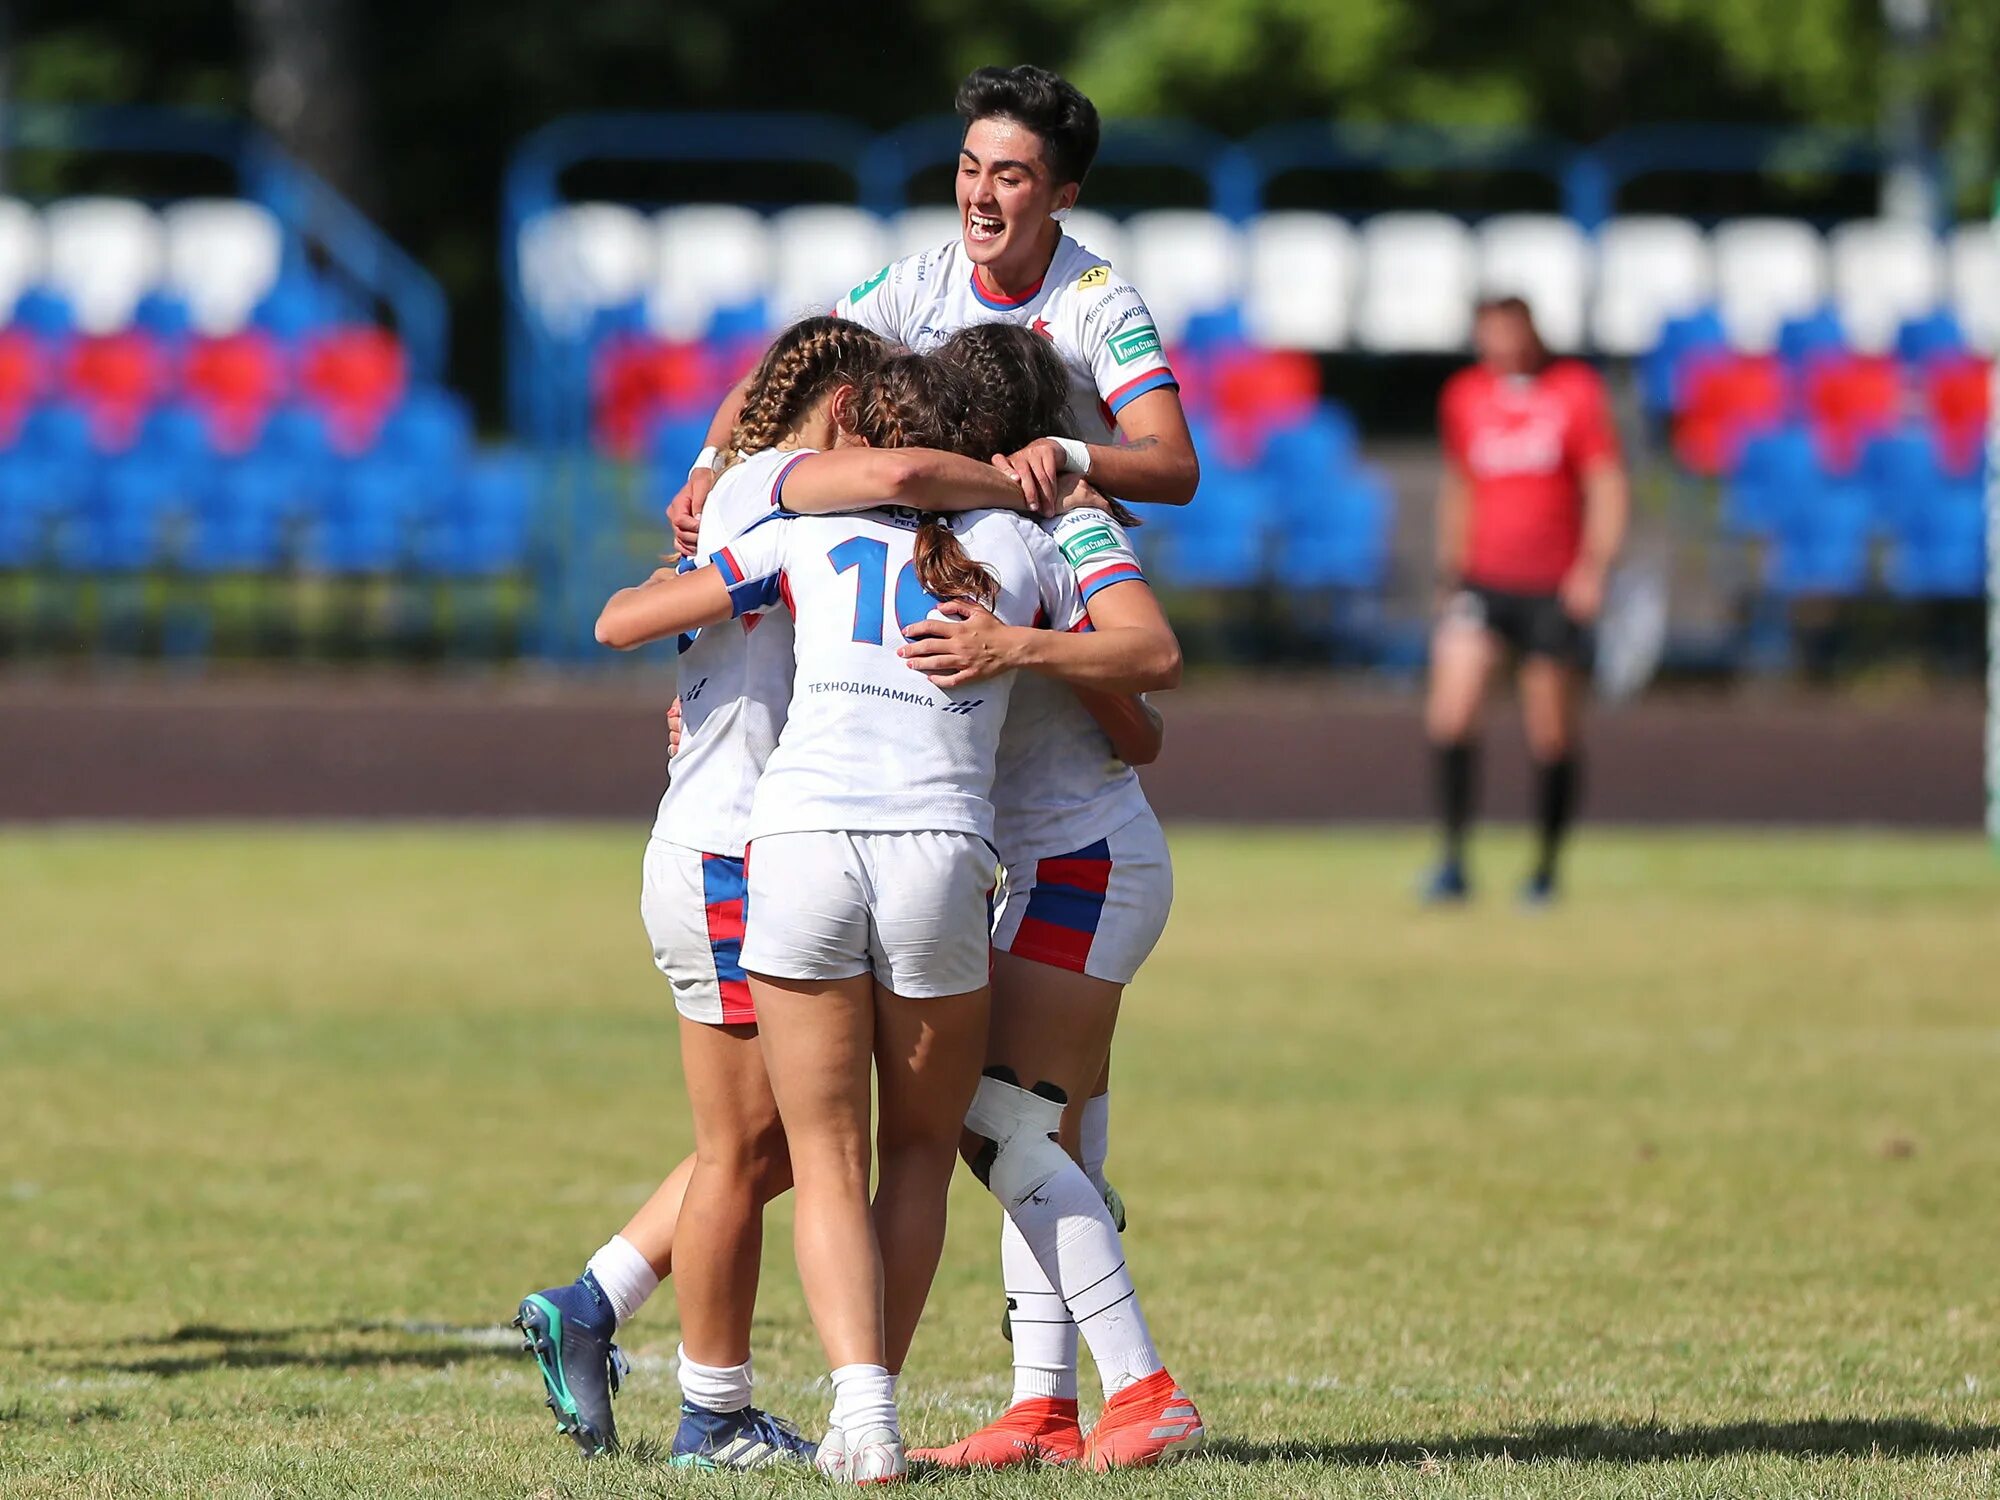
(1019, 387)
(1044, 102)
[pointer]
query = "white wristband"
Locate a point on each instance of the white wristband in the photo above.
(703, 460)
(1076, 456)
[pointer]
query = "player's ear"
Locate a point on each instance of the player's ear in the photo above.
(1065, 201)
(840, 406)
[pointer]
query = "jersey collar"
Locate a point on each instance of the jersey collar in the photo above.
(998, 301)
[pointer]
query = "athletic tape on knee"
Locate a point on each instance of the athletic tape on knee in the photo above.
(1017, 1125)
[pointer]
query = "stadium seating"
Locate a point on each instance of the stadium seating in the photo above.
(1650, 270)
(1884, 275)
(180, 394)
(1187, 263)
(1545, 260)
(1766, 271)
(1419, 278)
(819, 253)
(1300, 271)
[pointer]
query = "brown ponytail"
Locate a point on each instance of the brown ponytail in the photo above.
(910, 401)
(803, 365)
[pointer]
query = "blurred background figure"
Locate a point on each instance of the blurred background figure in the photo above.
(1531, 514)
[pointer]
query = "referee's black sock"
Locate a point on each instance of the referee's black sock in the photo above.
(1556, 783)
(1457, 785)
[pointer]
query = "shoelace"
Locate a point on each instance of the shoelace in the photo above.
(617, 1367)
(775, 1431)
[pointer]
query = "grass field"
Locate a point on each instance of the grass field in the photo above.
(1690, 1188)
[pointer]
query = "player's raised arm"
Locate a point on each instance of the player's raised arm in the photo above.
(684, 510)
(920, 478)
(1154, 464)
(666, 604)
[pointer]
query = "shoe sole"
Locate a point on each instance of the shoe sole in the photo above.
(540, 1322)
(1174, 1452)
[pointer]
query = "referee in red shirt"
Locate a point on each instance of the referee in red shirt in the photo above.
(1530, 516)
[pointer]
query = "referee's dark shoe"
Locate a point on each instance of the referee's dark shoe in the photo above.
(1446, 885)
(1538, 891)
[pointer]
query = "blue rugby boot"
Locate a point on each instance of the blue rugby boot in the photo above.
(568, 1329)
(1538, 892)
(746, 1439)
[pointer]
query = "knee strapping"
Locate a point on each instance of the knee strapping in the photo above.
(1017, 1125)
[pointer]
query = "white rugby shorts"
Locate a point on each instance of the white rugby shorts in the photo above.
(1098, 910)
(692, 904)
(913, 909)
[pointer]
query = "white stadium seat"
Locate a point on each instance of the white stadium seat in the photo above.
(1184, 262)
(1650, 268)
(922, 229)
(20, 252)
(1103, 235)
(223, 256)
(1885, 272)
(707, 256)
(822, 251)
(1543, 259)
(583, 257)
(1767, 271)
(104, 254)
(1975, 283)
(1299, 275)
(1419, 276)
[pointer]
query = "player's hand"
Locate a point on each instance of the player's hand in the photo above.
(684, 511)
(673, 729)
(1039, 468)
(971, 646)
(1582, 593)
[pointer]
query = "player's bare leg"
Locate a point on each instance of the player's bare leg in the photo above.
(1551, 692)
(1463, 656)
(650, 1230)
(819, 1050)
(928, 1055)
(740, 1165)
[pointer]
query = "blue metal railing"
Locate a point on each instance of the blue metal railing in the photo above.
(366, 267)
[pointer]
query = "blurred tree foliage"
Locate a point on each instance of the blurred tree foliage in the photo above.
(444, 89)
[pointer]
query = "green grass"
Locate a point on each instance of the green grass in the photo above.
(1686, 1189)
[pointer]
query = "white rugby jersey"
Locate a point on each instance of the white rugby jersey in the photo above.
(1097, 322)
(736, 680)
(1059, 788)
(870, 744)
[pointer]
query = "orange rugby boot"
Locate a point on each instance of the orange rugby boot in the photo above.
(1042, 1429)
(1148, 1423)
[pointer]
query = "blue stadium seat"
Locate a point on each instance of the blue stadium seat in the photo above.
(295, 307)
(742, 320)
(244, 516)
(432, 428)
(1218, 541)
(1660, 370)
(1903, 472)
(165, 316)
(1775, 473)
(371, 517)
(484, 533)
(44, 313)
(1932, 336)
(1818, 332)
(46, 480)
(176, 433)
(673, 443)
(1344, 541)
(1940, 551)
(1218, 328)
(141, 507)
(1821, 546)
(1310, 453)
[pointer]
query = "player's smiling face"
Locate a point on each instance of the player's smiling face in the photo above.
(1006, 192)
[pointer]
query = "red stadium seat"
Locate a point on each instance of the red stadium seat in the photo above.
(1729, 398)
(1849, 400)
(637, 378)
(117, 378)
(23, 378)
(1258, 391)
(237, 380)
(1959, 393)
(356, 375)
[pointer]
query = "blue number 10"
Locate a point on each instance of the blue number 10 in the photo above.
(869, 557)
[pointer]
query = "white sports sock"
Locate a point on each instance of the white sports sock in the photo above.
(864, 1396)
(1044, 1336)
(1096, 1143)
(625, 1276)
(1069, 1233)
(714, 1387)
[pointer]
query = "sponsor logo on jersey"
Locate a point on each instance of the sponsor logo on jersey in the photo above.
(1136, 343)
(869, 285)
(1095, 276)
(1088, 543)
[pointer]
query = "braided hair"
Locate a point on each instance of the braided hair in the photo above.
(804, 364)
(910, 401)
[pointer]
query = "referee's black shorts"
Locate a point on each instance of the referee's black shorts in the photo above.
(1529, 624)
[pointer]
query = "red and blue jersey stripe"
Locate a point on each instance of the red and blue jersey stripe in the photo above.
(726, 897)
(1139, 385)
(1065, 908)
